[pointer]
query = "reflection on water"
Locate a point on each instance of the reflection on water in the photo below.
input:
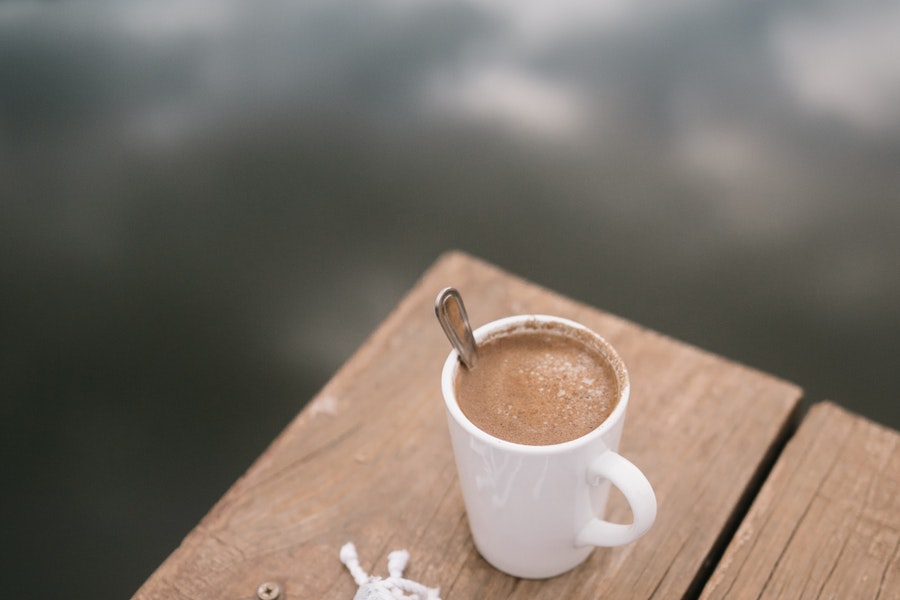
(195, 196)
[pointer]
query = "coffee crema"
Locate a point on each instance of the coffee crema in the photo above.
(537, 387)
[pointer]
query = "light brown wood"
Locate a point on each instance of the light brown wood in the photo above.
(369, 461)
(827, 522)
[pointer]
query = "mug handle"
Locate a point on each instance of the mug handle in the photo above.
(637, 491)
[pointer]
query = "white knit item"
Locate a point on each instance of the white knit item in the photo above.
(392, 588)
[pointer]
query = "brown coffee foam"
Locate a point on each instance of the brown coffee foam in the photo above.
(539, 384)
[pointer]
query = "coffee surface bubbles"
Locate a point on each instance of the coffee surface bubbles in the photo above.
(537, 387)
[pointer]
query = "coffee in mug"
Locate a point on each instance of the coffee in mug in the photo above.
(539, 384)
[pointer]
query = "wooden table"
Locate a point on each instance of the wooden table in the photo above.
(745, 509)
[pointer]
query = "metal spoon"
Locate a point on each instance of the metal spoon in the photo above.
(451, 312)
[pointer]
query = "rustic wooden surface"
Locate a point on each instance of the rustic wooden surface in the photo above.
(826, 524)
(369, 461)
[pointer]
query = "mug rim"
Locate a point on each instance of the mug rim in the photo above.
(506, 325)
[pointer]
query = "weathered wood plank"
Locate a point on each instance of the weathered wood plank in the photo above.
(826, 524)
(369, 460)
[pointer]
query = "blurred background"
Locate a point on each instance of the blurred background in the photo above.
(207, 205)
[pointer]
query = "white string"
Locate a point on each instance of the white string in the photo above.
(392, 588)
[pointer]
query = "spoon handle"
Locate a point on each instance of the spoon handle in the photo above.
(451, 312)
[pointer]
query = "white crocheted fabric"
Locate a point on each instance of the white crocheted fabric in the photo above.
(392, 588)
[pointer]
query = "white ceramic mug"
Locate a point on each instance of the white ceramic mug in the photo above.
(537, 511)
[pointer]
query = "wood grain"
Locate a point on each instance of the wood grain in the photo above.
(369, 461)
(827, 522)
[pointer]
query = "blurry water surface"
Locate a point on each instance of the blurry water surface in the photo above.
(206, 206)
